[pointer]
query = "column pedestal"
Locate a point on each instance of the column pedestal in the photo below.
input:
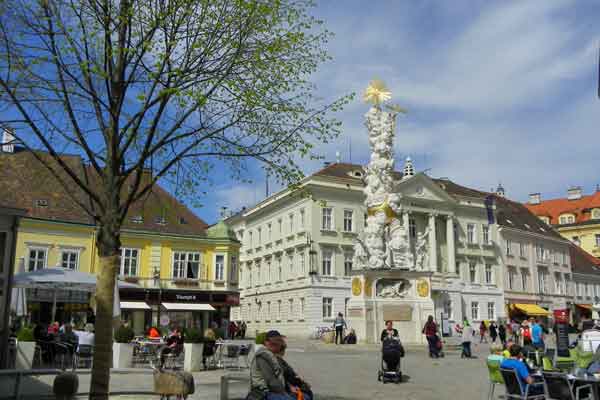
(403, 297)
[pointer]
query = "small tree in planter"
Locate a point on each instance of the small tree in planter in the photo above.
(123, 348)
(193, 346)
(25, 348)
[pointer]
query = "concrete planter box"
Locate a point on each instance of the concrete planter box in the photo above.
(192, 357)
(122, 355)
(25, 353)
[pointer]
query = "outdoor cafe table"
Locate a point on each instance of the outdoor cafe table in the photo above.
(578, 380)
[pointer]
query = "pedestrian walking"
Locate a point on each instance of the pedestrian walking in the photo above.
(482, 331)
(466, 336)
(243, 328)
(493, 331)
(502, 334)
(339, 324)
(515, 328)
(430, 330)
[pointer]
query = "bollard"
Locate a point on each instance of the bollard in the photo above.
(65, 386)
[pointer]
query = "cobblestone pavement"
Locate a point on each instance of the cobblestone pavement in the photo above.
(346, 373)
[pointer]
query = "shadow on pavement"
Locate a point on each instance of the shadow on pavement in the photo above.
(31, 388)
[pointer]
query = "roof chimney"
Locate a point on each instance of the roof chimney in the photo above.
(535, 198)
(8, 141)
(574, 193)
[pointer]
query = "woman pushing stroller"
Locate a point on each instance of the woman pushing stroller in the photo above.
(433, 340)
(391, 352)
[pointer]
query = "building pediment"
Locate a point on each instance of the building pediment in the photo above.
(422, 187)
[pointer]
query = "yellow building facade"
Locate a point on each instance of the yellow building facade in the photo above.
(178, 269)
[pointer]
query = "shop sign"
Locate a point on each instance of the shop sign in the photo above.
(232, 299)
(185, 297)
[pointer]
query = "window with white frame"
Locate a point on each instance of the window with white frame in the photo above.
(129, 261)
(219, 267)
(250, 239)
(278, 310)
(37, 258)
(539, 251)
(488, 274)
(564, 257)
(412, 228)
(597, 237)
(70, 259)
(346, 301)
(259, 233)
(302, 262)
(302, 217)
(474, 310)
(291, 219)
(511, 278)
(290, 309)
(524, 280)
(269, 232)
(491, 309)
(233, 269)
(522, 249)
(508, 247)
(270, 273)
(596, 213)
(327, 262)
(327, 218)
(348, 264)
(186, 265)
(566, 219)
(348, 219)
(557, 283)
(542, 280)
(279, 270)
(290, 265)
(486, 234)
(472, 272)
(327, 307)
(268, 310)
(302, 307)
(280, 225)
(588, 289)
(471, 233)
(579, 289)
(249, 276)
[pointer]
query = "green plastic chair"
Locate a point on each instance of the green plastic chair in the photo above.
(493, 365)
(565, 363)
(547, 364)
(583, 358)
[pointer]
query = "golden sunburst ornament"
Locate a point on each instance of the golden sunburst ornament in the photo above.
(376, 93)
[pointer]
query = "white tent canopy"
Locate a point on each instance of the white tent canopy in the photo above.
(64, 279)
(61, 279)
(134, 305)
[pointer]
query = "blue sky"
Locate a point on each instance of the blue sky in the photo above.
(496, 92)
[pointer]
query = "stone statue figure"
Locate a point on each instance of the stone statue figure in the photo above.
(399, 253)
(421, 249)
(392, 288)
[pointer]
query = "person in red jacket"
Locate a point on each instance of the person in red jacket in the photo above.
(430, 330)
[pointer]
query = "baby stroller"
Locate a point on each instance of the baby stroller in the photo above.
(391, 353)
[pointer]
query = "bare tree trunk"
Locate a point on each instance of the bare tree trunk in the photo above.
(109, 245)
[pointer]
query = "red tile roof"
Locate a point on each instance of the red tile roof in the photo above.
(583, 262)
(24, 181)
(581, 208)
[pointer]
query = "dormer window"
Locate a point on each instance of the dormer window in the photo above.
(596, 213)
(566, 219)
(160, 220)
(182, 221)
(546, 220)
(356, 174)
(137, 219)
(41, 203)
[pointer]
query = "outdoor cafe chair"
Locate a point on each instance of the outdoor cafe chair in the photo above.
(62, 355)
(513, 386)
(85, 353)
(493, 365)
(231, 357)
(245, 353)
(557, 386)
(12, 352)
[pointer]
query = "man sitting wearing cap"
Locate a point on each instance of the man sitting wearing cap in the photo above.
(266, 375)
